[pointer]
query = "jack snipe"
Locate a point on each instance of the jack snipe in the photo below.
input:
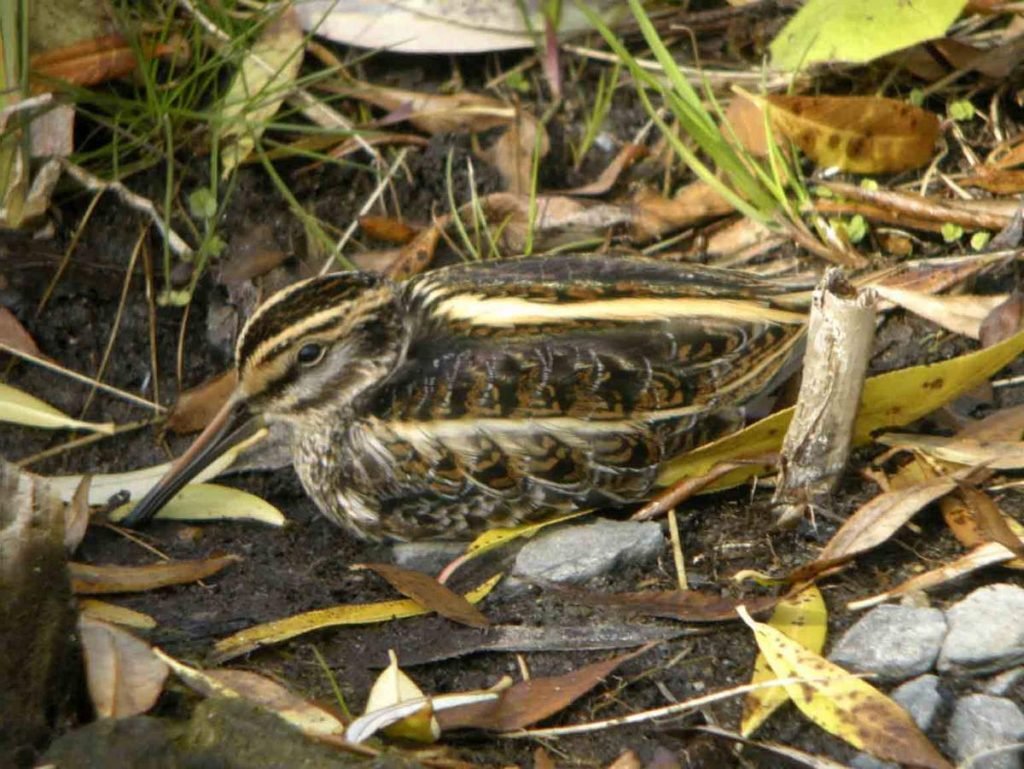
(487, 394)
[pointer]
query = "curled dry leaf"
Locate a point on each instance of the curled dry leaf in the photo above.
(1005, 320)
(394, 687)
(860, 134)
(653, 215)
(124, 676)
(528, 702)
(992, 524)
(91, 579)
(995, 455)
(517, 152)
(843, 704)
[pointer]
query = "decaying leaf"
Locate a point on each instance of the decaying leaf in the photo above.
(860, 134)
(1005, 320)
(971, 452)
(429, 593)
(803, 618)
(20, 408)
(528, 702)
(124, 676)
(354, 614)
(92, 579)
(305, 716)
(97, 60)
(265, 75)
(210, 502)
(843, 704)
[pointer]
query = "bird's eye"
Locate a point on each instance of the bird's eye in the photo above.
(311, 353)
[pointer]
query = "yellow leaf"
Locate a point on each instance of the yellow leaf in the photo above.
(137, 482)
(888, 400)
(494, 538)
(114, 614)
(208, 501)
(843, 704)
(20, 408)
(802, 618)
(861, 134)
(350, 614)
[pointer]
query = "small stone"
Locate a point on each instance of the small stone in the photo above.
(986, 631)
(980, 723)
(1002, 683)
(575, 554)
(893, 642)
(427, 557)
(921, 699)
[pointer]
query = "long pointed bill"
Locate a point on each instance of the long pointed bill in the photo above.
(231, 425)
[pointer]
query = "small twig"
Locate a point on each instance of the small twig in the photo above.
(50, 365)
(84, 440)
(370, 202)
(840, 334)
(677, 550)
(174, 241)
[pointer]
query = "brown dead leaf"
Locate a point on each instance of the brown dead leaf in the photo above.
(995, 455)
(95, 61)
(654, 215)
(1001, 181)
(524, 143)
(431, 112)
(627, 759)
(992, 524)
(881, 517)
(626, 156)
(196, 407)
(860, 134)
(1005, 320)
(1001, 425)
(254, 251)
(685, 605)
(746, 119)
(124, 676)
(387, 228)
(528, 702)
(429, 593)
(542, 759)
(14, 335)
(91, 579)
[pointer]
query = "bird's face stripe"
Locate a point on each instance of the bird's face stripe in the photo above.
(502, 312)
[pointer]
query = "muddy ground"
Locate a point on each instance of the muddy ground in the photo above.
(305, 565)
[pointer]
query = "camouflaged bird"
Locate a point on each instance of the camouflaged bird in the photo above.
(493, 393)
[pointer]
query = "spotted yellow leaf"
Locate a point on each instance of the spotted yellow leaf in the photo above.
(843, 704)
(802, 618)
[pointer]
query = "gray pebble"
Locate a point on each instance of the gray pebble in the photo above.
(986, 631)
(427, 557)
(575, 554)
(980, 723)
(893, 642)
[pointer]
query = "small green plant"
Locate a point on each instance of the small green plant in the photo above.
(595, 117)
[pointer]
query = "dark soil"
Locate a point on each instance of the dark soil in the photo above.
(305, 565)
